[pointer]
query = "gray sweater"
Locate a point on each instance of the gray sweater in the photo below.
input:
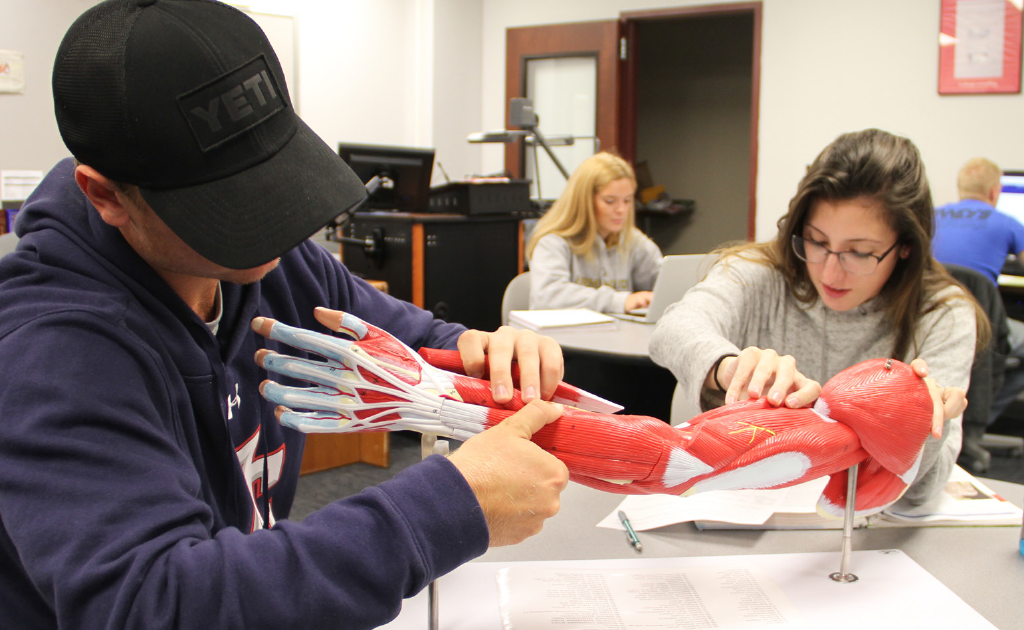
(560, 279)
(742, 303)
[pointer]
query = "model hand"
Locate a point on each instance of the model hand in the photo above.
(640, 299)
(758, 372)
(949, 402)
(516, 482)
(539, 359)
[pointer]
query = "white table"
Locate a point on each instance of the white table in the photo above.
(629, 340)
(615, 364)
(982, 565)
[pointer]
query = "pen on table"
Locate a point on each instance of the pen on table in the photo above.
(633, 540)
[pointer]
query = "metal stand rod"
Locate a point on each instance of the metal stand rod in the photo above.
(433, 607)
(430, 445)
(851, 502)
(547, 149)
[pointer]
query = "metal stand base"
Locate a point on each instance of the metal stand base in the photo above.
(843, 575)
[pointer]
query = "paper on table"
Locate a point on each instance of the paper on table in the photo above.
(750, 507)
(553, 598)
(893, 591)
(562, 319)
(964, 500)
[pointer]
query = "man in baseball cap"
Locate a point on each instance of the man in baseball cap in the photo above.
(145, 481)
(187, 101)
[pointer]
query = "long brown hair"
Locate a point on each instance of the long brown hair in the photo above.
(888, 169)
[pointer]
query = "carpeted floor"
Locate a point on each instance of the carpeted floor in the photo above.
(319, 489)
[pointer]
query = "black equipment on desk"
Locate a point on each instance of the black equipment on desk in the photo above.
(397, 179)
(1012, 266)
(404, 174)
(454, 266)
(471, 198)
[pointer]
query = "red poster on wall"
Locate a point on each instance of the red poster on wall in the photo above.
(980, 47)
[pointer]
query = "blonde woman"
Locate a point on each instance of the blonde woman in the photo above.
(586, 252)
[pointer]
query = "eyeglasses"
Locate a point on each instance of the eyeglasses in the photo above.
(856, 263)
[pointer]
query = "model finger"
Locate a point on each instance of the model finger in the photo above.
(318, 372)
(311, 398)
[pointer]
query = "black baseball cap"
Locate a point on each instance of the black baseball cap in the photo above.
(187, 100)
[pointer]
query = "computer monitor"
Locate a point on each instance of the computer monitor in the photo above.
(1011, 199)
(404, 174)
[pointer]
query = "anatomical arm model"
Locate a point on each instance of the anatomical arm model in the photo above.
(877, 414)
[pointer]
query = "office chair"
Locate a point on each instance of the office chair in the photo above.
(987, 373)
(681, 410)
(517, 296)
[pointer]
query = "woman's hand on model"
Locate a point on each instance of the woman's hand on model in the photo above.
(756, 372)
(949, 402)
(640, 299)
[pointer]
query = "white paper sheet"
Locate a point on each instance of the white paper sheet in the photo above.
(980, 25)
(749, 507)
(893, 591)
(964, 499)
(695, 598)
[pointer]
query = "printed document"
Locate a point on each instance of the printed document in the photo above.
(689, 598)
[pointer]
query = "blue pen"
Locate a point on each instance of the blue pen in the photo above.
(633, 540)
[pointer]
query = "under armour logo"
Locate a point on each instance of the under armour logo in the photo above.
(234, 401)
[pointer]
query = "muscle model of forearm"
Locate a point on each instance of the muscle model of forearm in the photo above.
(876, 414)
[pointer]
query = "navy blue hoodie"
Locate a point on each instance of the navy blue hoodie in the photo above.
(144, 483)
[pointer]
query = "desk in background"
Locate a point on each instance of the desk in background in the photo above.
(1012, 289)
(455, 266)
(616, 365)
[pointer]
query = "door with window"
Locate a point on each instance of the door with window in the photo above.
(677, 88)
(571, 73)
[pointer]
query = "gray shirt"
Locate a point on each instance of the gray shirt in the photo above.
(742, 303)
(602, 282)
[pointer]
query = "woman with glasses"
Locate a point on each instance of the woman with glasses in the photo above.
(586, 251)
(849, 277)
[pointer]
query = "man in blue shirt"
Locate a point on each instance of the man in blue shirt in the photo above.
(973, 233)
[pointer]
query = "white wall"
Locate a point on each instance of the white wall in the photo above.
(359, 73)
(28, 132)
(826, 67)
(365, 74)
(428, 72)
(458, 86)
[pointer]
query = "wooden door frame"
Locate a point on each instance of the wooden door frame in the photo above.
(568, 45)
(627, 98)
